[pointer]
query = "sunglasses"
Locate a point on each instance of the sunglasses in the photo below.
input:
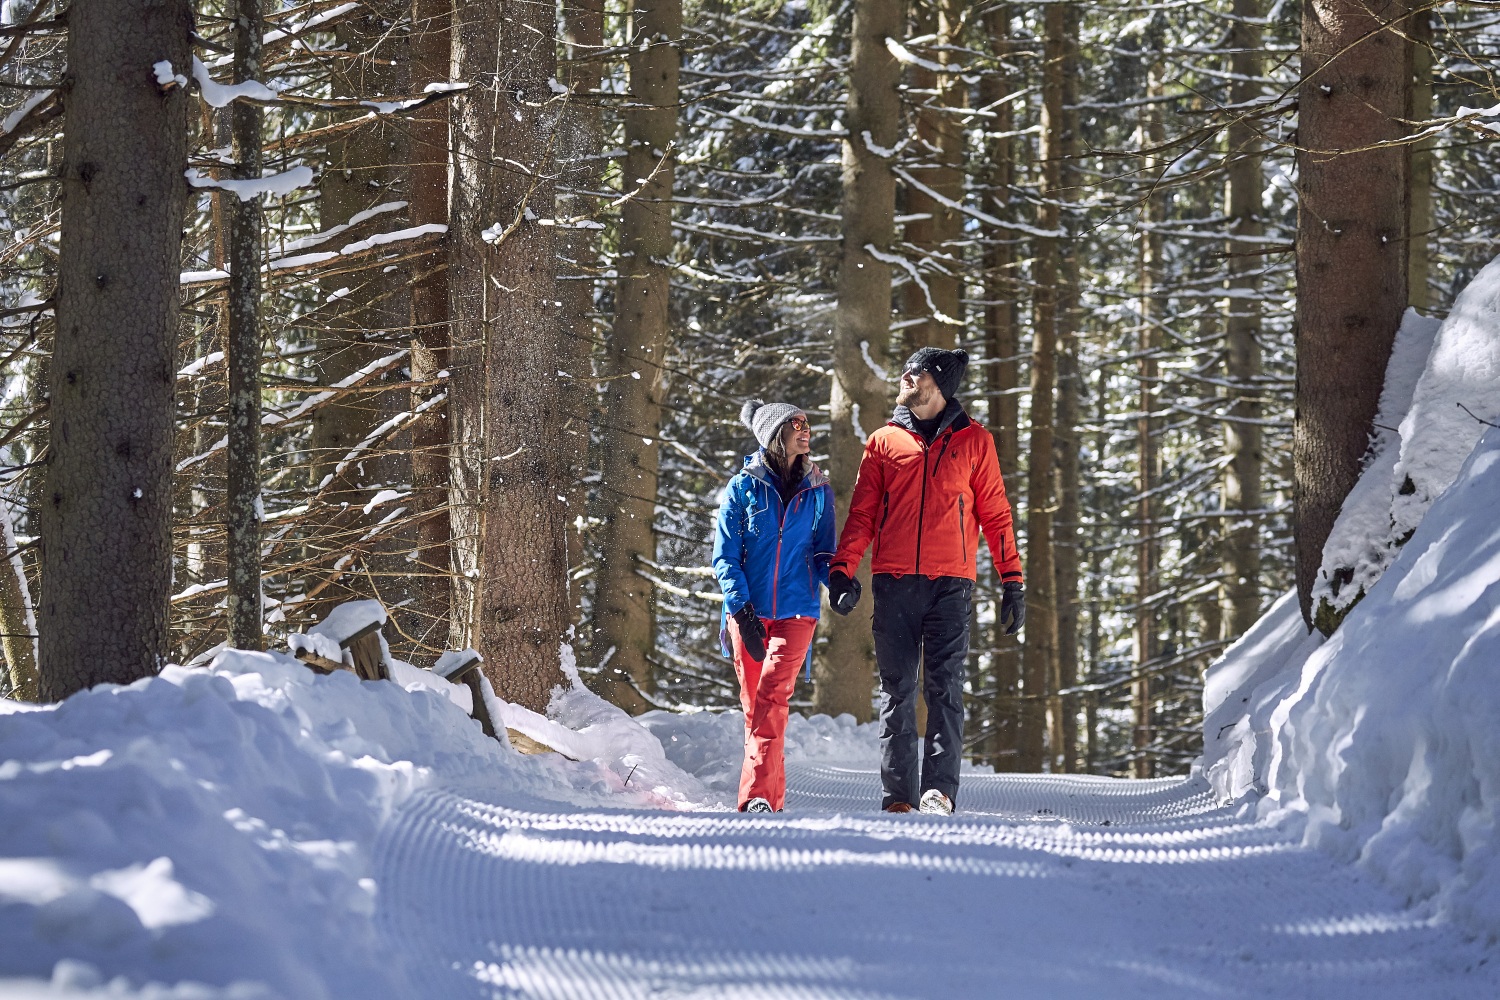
(799, 424)
(913, 374)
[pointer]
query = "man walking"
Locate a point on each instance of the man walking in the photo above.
(929, 481)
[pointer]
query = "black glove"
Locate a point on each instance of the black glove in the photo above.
(1012, 606)
(752, 633)
(843, 592)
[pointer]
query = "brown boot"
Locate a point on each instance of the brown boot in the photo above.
(898, 807)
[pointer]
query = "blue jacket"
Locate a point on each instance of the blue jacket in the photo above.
(769, 554)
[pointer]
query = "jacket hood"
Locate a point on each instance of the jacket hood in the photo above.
(953, 416)
(756, 465)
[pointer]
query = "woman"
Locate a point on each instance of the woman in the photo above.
(772, 546)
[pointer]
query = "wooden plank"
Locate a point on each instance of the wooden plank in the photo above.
(525, 744)
(364, 648)
(320, 664)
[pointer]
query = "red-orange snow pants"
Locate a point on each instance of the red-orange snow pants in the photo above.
(765, 689)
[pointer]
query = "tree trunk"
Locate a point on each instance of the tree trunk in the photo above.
(582, 141)
(1242, 436)
(242, 505)
(363, 320)
(1142, 693)
(1351, 255)
(16, 617)
(1003, 373)
(1064, 718)
(106, 515)
(508, 465)
(427, 183)
(1420, 227)
(860, 397)
(936, 228)
(1039, 661)
(624, 601)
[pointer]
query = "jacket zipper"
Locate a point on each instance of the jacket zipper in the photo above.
(885, 512)
(922, 503)
(963, 532)
(780, 527)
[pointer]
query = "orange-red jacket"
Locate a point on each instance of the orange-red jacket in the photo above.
(924, 505)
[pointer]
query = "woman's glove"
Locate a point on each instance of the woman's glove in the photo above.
(1012, 607)
(843, 592)
(752, 632)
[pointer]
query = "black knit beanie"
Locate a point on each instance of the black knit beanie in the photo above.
(765, 419)
(947, 367)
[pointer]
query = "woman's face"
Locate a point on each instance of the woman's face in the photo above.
(796, 437)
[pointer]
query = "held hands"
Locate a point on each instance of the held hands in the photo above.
(1012, 607)
(752, 633)
(843, 592)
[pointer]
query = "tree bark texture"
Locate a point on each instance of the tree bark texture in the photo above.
(106, 513)
(635, 356)
(1003, 373)
(582, 170)
(1418, 267)
(936, 229)
(860, 397)
(242, 505)
(1039, 660)
(1142, 693)
(1064, 718)
(508, 464)
(1351, 254)
(368, 322)
(1242, 323)
(427, 191)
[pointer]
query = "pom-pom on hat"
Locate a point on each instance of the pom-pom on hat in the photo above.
(946, 367)
(765, 419)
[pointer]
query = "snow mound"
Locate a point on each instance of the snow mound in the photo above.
(1442, 386)
(209, 831)
(1382, 740)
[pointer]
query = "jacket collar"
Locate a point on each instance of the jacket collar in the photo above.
(757, 467)
(953, 416)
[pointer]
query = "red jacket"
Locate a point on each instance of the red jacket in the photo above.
(924, 505)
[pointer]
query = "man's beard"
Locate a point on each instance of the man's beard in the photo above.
(914, 396)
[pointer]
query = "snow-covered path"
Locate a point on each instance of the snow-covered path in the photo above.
(1052, 887)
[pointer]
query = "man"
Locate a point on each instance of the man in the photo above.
(928, 482)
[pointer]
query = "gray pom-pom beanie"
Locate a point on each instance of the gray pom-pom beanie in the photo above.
(765, 419)
(947, 367)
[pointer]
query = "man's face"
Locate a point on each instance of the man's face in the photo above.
(917, 388)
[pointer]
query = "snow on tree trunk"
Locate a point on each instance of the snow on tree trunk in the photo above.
(508, 464)
(17, 620)
(107, 504)
(624, 602)
(860, 397)
(1351, 253)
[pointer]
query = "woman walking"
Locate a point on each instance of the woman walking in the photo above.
(772, 545)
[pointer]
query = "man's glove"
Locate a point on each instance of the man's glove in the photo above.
(752, 633)
(843, 592)
(1012, 606)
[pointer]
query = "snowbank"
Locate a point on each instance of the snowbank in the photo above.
(1442, 384)
(214, 827)
(1383, 740)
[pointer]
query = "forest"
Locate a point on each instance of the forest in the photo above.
(453, 304)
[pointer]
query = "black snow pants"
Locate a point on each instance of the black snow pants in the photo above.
(919, 621)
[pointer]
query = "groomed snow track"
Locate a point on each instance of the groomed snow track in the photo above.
(1041, 886)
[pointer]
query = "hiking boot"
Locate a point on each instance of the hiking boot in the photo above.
(935, 802)
(758, 806)
(898, 807)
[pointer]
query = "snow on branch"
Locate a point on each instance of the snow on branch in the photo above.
(283, 183)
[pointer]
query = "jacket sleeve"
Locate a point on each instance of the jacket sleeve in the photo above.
(729, 550)
(993, 509)
(824, 543)
(859, 526)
